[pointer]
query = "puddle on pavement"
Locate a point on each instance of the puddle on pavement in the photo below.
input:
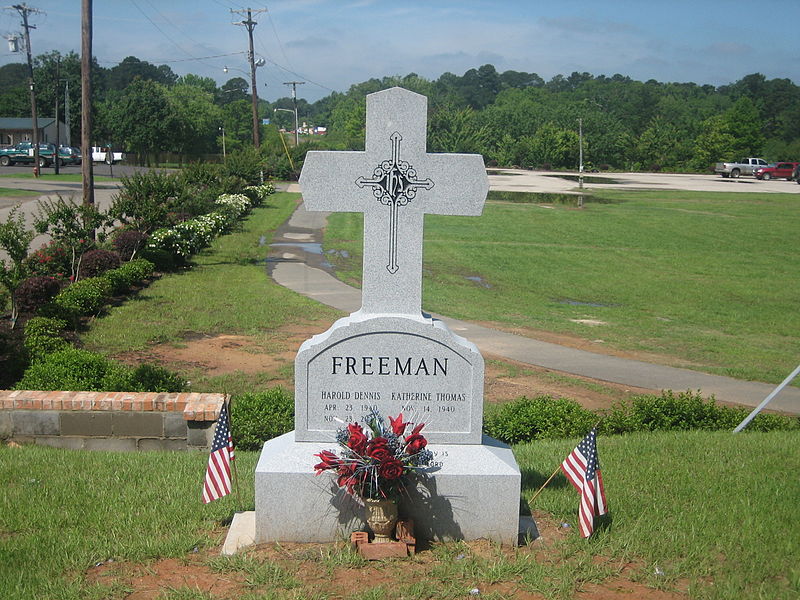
(312, 247)
(340, 253)
(480, 281)
(587, 179)
(544, 198)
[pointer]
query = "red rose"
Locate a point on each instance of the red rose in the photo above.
(415, 443)
(378, 448)
(391, 468)
(398, 427)
(357, 441)
(329, 461)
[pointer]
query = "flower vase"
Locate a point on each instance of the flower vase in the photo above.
(381, 518)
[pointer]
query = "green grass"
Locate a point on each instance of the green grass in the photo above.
(721, 528)
(706, 280)
(227, 291)
(72, 177)
(17, 192)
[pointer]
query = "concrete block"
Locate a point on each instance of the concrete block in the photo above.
(58, 441)
(150, 444)
(200, 433)
(86, 423)
(174, 426)
(112, 444)
(35, 422)
(241, 533)
(474, 493)
(139, 424)
(6, 425)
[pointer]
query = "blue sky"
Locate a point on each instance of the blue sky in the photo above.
(333, 44)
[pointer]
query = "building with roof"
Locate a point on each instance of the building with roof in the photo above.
(14, 130)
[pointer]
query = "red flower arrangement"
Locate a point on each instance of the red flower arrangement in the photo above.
(376, 463)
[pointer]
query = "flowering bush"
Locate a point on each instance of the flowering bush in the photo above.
(376, 463)
(236, 203)
(51, 260)
(259, 193)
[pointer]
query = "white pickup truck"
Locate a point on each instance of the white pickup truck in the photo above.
(101, 154)
(746, 166)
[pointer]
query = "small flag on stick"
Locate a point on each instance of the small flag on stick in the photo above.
(583, 469)
(218, 472)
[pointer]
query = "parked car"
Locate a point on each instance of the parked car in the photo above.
(781, 170)
(24, 153)
(104, 154)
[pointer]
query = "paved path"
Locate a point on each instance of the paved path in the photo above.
(296, 262)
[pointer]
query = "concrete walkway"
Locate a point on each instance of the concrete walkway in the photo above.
(296, 262)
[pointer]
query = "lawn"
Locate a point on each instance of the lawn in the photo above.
(718, 529)
(227, 291)
(710, 281)
(14, 192)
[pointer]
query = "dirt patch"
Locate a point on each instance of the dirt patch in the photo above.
(274, 352)
(293, 570)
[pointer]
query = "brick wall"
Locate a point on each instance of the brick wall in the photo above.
(110, 420)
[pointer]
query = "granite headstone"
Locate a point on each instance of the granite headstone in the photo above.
(389, 355)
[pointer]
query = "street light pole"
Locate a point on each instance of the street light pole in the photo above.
(224, 154)
(294, 85)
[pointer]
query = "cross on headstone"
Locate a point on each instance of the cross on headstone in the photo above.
(394, 182)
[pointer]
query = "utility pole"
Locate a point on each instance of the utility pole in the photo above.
(250, 25)
(294, 85)
(24, 10)
(87, 172)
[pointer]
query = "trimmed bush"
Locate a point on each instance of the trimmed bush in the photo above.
(70, 369)
(527, 419)
(35, 292)
(537, 418)
(257, 417)
(161, 259)
(128, 242)
(73, 369)
(43, 337)
(97, 262)
(128, 275)
(82, 298)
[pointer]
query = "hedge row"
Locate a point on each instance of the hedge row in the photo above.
(258, 417)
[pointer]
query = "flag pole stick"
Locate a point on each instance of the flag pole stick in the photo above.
(544, 485)
(235, 468)
(549, 479)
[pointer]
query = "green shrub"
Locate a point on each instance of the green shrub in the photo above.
(84, 297)
(245, 164)
(128, 275)
(153, 378)
(161, 259)
(257, 417)
(541, 417)
(685, 411)
(145, 199)
(73, 369)
(69, 369)
(43, 337)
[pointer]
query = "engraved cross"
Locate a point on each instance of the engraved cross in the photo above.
(406, 180)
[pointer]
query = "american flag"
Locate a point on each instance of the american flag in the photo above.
(583, 469)
(218, 472)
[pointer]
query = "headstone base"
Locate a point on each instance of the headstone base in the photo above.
(474, 494)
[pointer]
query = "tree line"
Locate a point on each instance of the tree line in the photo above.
(513, 118)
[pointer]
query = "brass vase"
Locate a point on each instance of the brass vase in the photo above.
(381, 518)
